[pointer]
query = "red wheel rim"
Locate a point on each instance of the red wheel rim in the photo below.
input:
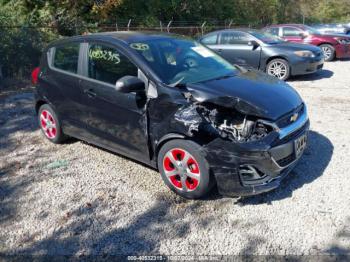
(181, 169)
(48, 124)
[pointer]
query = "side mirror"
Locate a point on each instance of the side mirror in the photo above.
(128, 84)
(254, 44)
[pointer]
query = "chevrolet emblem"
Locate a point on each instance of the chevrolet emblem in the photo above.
(294, 117)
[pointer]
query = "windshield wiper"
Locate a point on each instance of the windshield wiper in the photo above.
(178, 83)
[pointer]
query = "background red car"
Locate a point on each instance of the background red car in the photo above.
(333, 46)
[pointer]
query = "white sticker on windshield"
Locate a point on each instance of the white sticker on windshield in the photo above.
(202, 51)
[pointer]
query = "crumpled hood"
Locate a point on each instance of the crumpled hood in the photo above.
(251, 92)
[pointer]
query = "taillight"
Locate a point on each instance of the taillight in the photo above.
(35, 75)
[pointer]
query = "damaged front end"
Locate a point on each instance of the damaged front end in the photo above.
(246, 153)
(222, 121)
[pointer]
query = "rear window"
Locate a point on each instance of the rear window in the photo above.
(66, 57)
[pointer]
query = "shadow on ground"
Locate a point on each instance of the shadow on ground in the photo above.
(313, 77)
(343, 235)
(84, 231)
(311, 166)
(16, 114)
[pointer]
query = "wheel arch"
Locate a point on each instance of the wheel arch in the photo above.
(275, 57)
(38, 104)
(332, 45)
(325, 43)
(166, 138)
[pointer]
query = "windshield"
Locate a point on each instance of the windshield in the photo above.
(182, 61)
(266, 37)
(312, 30)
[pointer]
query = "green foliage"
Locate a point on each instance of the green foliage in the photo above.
(26, 26)
(20, 44)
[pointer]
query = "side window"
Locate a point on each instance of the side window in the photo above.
(66, 57)
(106, 64)
(291, 31)
(273, 31)
(210, 40)
(234, 38)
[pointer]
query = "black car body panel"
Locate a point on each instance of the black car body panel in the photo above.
(138, 124)
(272, 97)
(259, 56)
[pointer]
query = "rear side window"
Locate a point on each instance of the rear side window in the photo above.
(234, 38)
(210, 40)
(273, 31)
(108, 65)
(66, 57)
(291, 31)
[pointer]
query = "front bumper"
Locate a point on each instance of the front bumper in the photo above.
(342, 50)
(271, 158)
(305, 66)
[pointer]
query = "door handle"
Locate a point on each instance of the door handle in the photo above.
(220, 50)
(90, 93)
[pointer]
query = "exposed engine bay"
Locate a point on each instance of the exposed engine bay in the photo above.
(227, 122)
(234, 125)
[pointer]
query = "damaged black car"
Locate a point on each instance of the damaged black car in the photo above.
(172, 104)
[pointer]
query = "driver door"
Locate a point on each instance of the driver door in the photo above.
(113, 119)
(234, 47)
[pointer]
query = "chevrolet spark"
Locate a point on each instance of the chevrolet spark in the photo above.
(171, 103)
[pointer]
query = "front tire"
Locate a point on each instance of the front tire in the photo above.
(50, 124)
(278, 68)
(328, 52)
(184, 170)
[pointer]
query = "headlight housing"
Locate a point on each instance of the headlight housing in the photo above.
(304, 53)
(343, 41)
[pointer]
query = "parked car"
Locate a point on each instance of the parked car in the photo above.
(332, 28)
(265, 52)
(173, 104)
(333, 46)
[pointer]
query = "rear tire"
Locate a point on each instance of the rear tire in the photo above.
(328, 52)
(278, 68)
(50, 124)
(184, 170)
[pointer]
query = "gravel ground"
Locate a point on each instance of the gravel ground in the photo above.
(78, 199)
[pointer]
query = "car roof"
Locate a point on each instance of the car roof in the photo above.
(295, 25)
(126, 37)
(247, 30)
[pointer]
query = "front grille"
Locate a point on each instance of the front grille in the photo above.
(286, 161)
(292, 136)
(286, 120)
